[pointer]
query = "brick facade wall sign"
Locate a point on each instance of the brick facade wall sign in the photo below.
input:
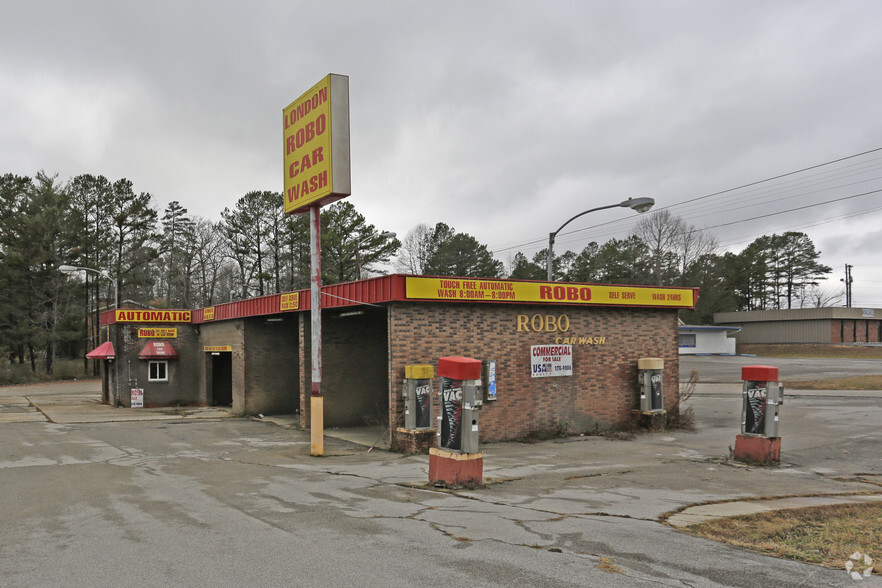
(158, 333)
(549, 293)
(217, 348)
(289, 301)
(126, 315)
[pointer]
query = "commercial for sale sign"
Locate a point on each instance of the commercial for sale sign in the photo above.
(316, 145)
(551, 360)
(476, 290)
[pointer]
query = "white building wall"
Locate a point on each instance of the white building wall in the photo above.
(707, 341)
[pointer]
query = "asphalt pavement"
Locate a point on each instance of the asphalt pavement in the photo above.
(101, 496)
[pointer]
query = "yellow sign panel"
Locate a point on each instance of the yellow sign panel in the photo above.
(126, 315)
(478, 290)
(158, 333)
(290, 301)
(217, 348)
(208, 313)
(316, 145)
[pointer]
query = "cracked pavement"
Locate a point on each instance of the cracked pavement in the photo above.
(239, 502)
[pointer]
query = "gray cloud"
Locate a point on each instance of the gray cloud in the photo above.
(501, 119)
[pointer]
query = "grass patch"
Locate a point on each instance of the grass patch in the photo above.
(12, 374)
(823, 535)
(606, 565)
(871, 382)
(798, 351)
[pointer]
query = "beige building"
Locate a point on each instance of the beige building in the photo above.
(805, 325)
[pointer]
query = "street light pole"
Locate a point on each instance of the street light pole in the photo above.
(69, 269)
(641, 205)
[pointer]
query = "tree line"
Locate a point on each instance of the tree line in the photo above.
(172, 259)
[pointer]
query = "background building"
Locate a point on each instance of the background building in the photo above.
(805, 325)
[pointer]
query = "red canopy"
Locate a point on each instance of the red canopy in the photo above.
(158, 350)
(103, 351)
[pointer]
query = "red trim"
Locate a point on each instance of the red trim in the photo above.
(158, 350)
(379, 290)
(759, 373)
(103, 351)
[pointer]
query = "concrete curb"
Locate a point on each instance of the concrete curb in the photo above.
(702, 513)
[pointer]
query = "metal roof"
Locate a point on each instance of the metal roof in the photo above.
(373, 291)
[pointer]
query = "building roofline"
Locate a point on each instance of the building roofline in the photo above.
(382, 290)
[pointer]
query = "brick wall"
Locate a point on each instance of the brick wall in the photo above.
(182, 386)
(355, 381)
(231, 333)
(271, 368)
(601, 393)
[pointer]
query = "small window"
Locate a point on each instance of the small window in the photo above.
(687, 340)
(157, 371)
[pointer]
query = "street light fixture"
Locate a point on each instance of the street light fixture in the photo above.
(69, 269)
(641, 205)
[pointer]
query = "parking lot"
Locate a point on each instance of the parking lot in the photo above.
(130, 497)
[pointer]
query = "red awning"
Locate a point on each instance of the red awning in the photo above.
(158, 350)
(103, 351)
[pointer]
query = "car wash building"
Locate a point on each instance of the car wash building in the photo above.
(564, 354)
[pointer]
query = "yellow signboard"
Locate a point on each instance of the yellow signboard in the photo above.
(316, 145)
(158, 333)
(217, 348)
(126, 315)
(478, 290)
(208, 313)
(289, 301)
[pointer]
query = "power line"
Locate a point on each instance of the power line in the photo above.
(776, 177)
(562, 236)
(745, 238)
(792, 209)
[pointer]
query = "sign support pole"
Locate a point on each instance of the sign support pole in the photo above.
(317, 446)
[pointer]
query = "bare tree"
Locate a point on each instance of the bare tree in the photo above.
(692, 246)
(661, 232)
(209, 253)
(415, 251)
(813, 296)
(673, 245)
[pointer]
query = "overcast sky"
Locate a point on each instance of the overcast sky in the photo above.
(502, 119)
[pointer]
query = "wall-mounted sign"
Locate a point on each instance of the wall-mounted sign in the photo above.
(316, 145)
(533, 292)
(137, 397)
(208, 313)
(157, 333)
(152, 316)
(551, 360)
(289, 301)
(217, 348)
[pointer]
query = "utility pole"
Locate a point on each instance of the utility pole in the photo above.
(848, 280)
